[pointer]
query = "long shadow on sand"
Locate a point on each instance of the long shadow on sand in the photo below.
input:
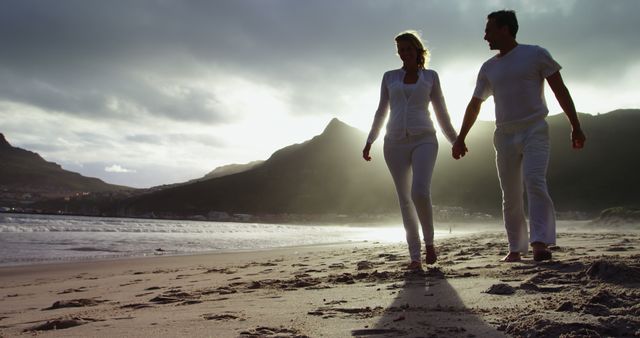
(427, 305)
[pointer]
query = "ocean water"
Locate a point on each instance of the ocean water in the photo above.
(30, 239)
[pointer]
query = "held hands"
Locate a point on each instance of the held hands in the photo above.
(459, 149)
(365, 152)
(577, 138)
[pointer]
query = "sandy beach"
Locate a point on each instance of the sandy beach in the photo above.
(590, 288)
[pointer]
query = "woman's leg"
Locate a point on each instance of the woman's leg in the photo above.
(398, 158)
(423, 159)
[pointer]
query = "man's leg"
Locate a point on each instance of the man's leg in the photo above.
(398, 158)
(509, 164)
(541, 210)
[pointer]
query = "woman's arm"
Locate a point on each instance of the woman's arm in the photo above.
(378, 119)
(440, 110)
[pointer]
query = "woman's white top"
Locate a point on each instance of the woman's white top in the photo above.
(408, 89)
(408, 108)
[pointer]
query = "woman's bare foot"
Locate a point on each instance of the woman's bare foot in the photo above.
(511, 257)
(414, 265)
(431, 256)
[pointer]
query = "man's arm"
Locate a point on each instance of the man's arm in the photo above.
(566, 102)
(470, 115)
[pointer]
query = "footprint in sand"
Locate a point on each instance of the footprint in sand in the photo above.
(224, 316)
(80, 289)
(263, 331)
(136, 306)
(82, 302)
(500, 289)
(60, 324)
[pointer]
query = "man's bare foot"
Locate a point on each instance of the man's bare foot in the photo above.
(414, 266)
(511, 257)
(540, 252)
(431, 256)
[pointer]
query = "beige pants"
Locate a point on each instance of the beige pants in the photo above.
(411, 162)
(522, 157)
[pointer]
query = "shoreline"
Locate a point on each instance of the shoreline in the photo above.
(341, 290)
(47, 240)
(296, 219)
(181, 260)
(441, 232)
(91, 260)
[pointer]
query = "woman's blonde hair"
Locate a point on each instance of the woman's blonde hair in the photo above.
(413, 37)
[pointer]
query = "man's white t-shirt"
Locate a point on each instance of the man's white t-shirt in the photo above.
(516, 81)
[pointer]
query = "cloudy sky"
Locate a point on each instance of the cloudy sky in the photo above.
(143, 93)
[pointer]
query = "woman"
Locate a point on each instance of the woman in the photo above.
(410, 144)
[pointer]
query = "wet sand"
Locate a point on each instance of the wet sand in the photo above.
(591, 287)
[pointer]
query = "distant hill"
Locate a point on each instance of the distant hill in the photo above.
(230, 169)
(322, 175)
(601, 175)
(224, 170)
(23, 171)
(326, 174)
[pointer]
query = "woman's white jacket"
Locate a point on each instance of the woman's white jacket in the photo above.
(410, 115)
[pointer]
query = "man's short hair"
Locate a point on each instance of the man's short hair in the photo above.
(505, 18)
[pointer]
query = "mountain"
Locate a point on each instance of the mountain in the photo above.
(326, 174)
(605, 173)
(224, 170)
(230, 169)
(601, 175)
(25, 172)
(323, 175)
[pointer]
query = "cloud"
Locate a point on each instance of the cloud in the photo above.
(194, 80)
(126, 60)
(162, 138)
(116, 168)
(115, 96)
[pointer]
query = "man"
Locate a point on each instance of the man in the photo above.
(515, 77)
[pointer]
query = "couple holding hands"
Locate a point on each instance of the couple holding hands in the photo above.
(515, 77)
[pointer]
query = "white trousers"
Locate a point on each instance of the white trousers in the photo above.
(411, 162)
(522, 156)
